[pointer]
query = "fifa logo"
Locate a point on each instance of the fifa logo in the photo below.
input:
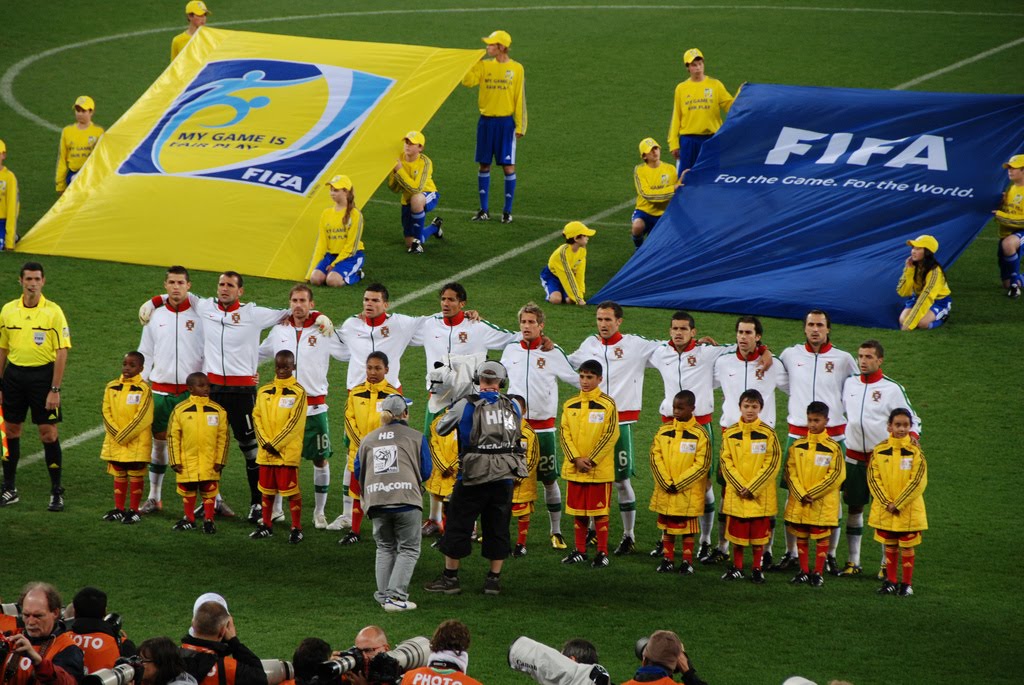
(275, 123)
(925, 150)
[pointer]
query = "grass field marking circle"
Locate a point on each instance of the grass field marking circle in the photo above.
(7, 81)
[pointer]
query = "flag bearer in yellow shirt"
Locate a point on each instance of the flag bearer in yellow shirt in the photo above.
(698, 106)
(655, 183)
(9, 203)
(413, 177)
(565, 276)
(197, 13)
(77, 142)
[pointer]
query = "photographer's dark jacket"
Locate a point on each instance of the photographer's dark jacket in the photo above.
(392, 462)
(221, 663)
(62, 664)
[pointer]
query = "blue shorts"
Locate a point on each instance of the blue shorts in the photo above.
(648, 219)
(496, 138)
(551, 284)
(689, 150)
(940, 308)
(432, 199)
(3, 233)
(348, 269)
(70, 177)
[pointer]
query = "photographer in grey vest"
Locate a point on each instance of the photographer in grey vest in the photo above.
(392, 463)
(489, 431)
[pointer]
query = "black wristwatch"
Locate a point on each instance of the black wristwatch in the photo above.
(55, 388)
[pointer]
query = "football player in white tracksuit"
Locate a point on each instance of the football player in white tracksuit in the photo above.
(817, 371)
(533, 373)
(624, 359)
(313, 352)
(744, 370)
(868, 397)
(173, 348)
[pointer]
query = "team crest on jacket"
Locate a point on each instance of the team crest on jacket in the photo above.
(618, 352)
(311, 341)
(236, 317)
(829, 367)
(190, 325)
(876, 396)
(541, 362)
(385, 331)
(759, 374)
(463, 336)
(691, 360)
(268, 122)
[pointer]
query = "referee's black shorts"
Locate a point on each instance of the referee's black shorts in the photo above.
(238, 402)
(25, 388)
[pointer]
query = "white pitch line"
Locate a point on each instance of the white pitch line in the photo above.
(956, 65)
(531, 217)
(97, 431)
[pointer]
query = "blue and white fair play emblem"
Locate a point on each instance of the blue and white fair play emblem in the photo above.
(266, 122)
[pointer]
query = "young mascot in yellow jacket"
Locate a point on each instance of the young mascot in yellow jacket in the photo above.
(127, 418)
(279, 420)
(524, 492)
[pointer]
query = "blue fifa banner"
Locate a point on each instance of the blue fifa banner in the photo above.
(805, 198)
(222, 162)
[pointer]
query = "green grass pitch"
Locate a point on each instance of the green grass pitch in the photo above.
(598, 80)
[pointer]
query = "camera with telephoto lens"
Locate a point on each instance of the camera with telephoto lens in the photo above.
(126, 671)
(6, 647)
(10, 609)
(548, 666)
(278, 671)
(385, 668)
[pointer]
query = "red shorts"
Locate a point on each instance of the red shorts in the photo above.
(522, 509)
(279, 480)
(755, 531)
(588, 499)
(679, 525)
(902, 538)
(805, 530)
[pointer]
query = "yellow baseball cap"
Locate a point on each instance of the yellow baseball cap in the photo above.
(576, 228)
(415, 137)
(3, 146)
(85, 102)
(1016, 162)
(692, 54)
(926, 241)
(340, 182)
(647, 144)
(198, 8)
(499, 37)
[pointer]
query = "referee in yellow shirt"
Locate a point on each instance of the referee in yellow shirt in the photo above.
(34, 344)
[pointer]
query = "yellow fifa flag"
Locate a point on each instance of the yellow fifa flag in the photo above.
(221, 164)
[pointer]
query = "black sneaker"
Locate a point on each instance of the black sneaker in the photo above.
(295, 537)
(415, 248)
(658, 551)
(350, 539)
(184, 524)
(816, 580)
(439, 222)
(887, 588)
(492, 585)
(732, 573)
(255, 513)
(519, 552)
(56, 500)
(600, 560)
(665, 566)
(626, 546)
(716, 556)
(704, 553)
(114, 515)
(9, 497)
(576, 557)
(757, 576)
(767, 558)
(832, 565)
(800, 578)
(261, 531)
(905, 590)
(482, 215)
(444, 584)
(208, 527)
(131, 518)
(591, 537)
(787, 562)
(506, 217)
(685, 568)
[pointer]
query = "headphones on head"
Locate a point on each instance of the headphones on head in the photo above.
(496, 369)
